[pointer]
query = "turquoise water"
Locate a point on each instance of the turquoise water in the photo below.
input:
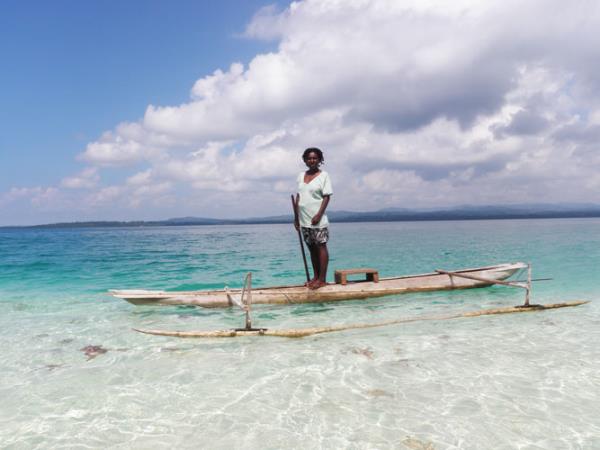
(520, 381)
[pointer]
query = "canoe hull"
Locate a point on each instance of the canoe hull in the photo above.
(286, 295)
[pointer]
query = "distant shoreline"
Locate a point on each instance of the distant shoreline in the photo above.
(337, 217)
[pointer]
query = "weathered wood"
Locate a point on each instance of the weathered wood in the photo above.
(303, 332)
(528, 291)
(341, 276)
(248, 304)
(482, 279)
(526, 286)
(285, 295)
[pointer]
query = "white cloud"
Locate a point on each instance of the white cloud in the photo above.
(113, 150)
(128, 144)
(140, 178)
(154, 194)
(86, 179)
(42, 197)
(268, 23)
(106, 195)
(414, 102)
(17, 193)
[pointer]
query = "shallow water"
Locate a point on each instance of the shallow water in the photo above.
(74, 374)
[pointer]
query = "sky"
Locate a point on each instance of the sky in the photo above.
(148, 110)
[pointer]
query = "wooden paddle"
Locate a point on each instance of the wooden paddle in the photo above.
(296, 219)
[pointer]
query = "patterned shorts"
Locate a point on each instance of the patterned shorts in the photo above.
(314, 236)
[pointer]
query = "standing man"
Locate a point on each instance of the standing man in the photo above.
(314, 192)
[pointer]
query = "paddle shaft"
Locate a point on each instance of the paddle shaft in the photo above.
(296, 220)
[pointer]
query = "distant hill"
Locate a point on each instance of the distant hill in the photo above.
(530, 211)
(466, 212)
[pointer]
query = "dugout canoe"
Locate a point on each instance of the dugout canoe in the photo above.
(297, 294)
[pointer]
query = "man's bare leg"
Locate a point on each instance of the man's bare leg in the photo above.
(323, 261)
(314, 259)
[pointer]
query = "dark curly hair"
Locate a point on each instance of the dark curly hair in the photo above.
(313, 150)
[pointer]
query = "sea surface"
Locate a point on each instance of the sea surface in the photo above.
(73, 373)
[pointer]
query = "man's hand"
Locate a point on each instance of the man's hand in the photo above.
(315, 220)
(297, 225)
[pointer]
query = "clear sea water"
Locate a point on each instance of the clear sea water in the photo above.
(529, 381)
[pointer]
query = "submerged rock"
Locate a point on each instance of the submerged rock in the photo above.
(91, 351)
(416, 444)
(367, 352)
(170, 349)
(378, 393)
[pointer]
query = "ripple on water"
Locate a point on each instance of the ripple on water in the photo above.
(528, 381)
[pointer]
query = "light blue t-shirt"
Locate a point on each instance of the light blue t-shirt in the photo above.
(311, 197)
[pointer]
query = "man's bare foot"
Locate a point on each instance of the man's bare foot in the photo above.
(317, 284)
(308, 283)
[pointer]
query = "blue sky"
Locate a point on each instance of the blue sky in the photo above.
(73, 69)
(143, 110)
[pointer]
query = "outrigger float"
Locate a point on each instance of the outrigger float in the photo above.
(342, 290)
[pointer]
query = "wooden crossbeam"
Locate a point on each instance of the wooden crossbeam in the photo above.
(485, 280)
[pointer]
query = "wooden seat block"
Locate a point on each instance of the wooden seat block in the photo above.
(341, 276)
